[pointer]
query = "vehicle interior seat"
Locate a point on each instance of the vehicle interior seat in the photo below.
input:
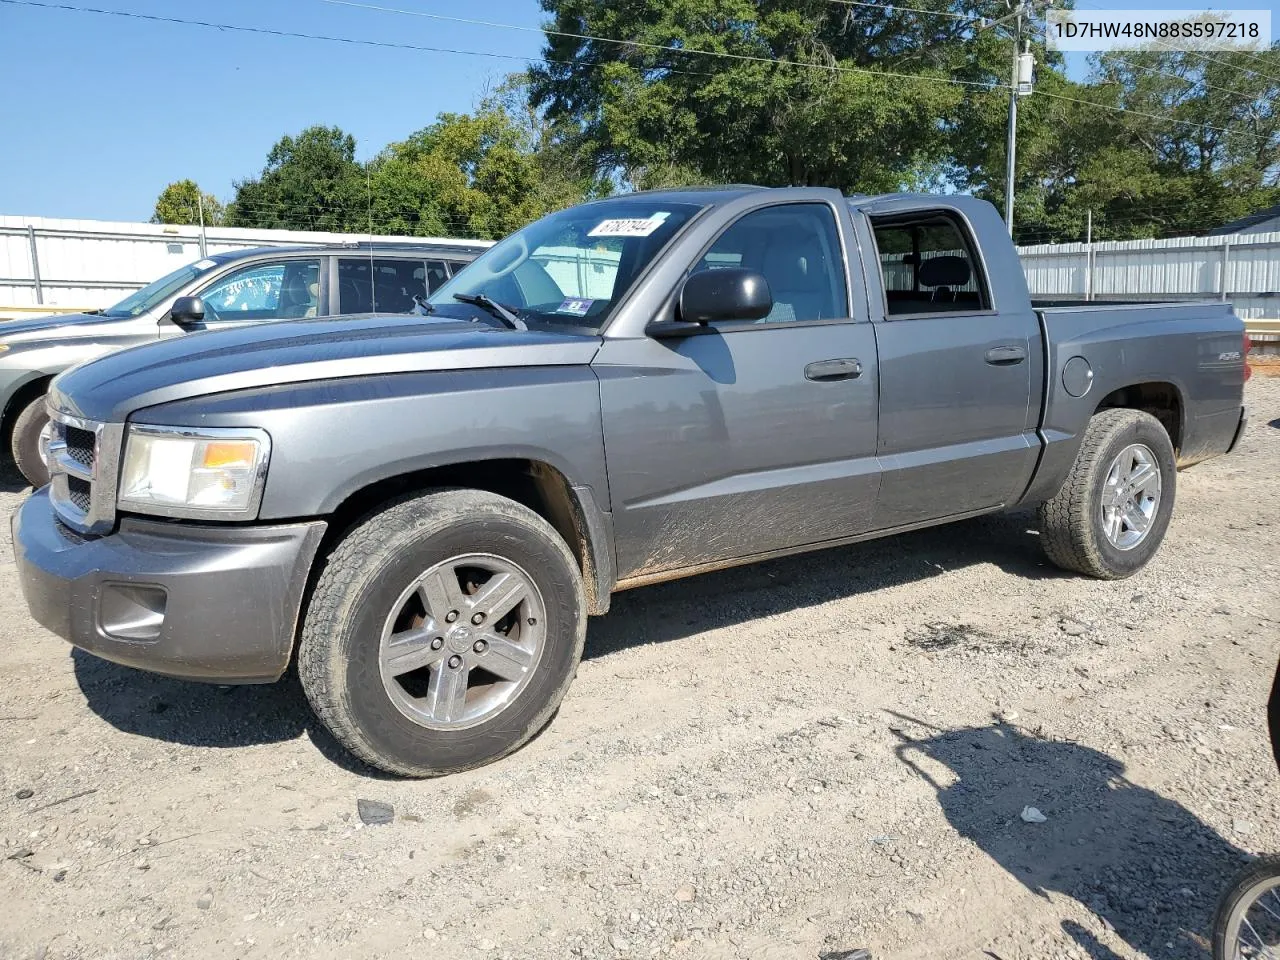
(793, 266)
(300, 298)
(355, 296)
(944, 274)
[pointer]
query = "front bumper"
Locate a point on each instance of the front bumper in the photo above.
(202, 602)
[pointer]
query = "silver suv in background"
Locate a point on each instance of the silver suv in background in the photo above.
(220, 291)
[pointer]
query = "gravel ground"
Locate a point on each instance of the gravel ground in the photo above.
(790, 760)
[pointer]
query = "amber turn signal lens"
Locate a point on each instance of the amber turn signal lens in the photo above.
(227, 453)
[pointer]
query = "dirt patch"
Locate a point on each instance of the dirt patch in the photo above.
(794, 759)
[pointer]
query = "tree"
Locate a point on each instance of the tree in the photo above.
(310, 182)
(179, 203)
(802, 91)
(1156, 144)
(482, 174)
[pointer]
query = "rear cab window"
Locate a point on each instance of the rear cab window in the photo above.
(928, 264)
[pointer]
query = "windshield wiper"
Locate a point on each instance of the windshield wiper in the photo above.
(494, 308)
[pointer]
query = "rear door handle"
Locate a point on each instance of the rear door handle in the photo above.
(1006, 356)
(846, 368)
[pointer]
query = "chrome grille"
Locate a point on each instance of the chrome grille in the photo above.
(83, 462)
(80, 493)
(79, 445)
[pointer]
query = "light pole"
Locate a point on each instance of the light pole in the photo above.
(1020, 84)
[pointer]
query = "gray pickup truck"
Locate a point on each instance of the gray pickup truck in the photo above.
(424, 510)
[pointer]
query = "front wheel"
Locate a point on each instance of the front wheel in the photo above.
(1247, 922)
(29, 444)
(1111, 513)
(443, 632)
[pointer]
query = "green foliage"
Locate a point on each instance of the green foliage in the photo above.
(1199, 147)
(481, 175)
(806, 92)
(310, 182)
(179, 203)
(649, 115)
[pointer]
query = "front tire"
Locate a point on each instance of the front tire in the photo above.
(25, 443)
(443, 632)
(1111, 513)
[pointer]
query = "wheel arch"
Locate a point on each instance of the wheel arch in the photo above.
(1159, 398)
(542, 487)
(33, 386)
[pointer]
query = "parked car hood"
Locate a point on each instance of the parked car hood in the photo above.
(113, 386)
(56, 327)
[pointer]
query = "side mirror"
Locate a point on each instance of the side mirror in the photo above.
(721, 295)
(187, 310)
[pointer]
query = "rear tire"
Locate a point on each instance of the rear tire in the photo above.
(1111, 513)
(479, 688)
(25, 443)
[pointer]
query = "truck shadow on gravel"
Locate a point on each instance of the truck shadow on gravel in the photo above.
(206, 715)
(1141, 863)
(682, 608)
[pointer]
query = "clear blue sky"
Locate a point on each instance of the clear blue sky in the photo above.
(100, 112)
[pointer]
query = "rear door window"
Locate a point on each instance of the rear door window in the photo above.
(437, 274)
(380, 284)
(927, 265)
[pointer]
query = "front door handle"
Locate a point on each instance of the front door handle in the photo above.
(846, 368)
(1006, 356)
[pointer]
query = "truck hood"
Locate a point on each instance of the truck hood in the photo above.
(110, 388)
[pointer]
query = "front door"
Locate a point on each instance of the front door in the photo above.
(757, 436)
(957, 417)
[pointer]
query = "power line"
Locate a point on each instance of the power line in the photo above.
(658, 47)
(1149, 116)
(892, 8)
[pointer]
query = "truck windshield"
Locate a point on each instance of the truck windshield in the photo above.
(570, 268)
(140, 301)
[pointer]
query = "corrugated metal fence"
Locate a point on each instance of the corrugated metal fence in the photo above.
(56, 265)
(1243, 268)
(51, 266)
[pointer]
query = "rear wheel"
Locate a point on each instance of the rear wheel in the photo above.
(443, 632)
(1111, 513)
(28, 446)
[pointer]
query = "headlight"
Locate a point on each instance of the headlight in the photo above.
(203, 474)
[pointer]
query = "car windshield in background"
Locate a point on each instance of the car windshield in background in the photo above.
(143, 300)
(570, 268)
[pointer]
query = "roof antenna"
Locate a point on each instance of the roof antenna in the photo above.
(373, 297)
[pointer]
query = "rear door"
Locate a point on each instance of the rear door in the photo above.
(957, 369)
(756, 436)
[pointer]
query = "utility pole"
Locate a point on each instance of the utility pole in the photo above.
(204, 244)
(1020, 83)
(1088, 254)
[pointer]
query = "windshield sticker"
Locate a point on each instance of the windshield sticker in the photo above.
(575, 306)
(204, 264)
(631, 227)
